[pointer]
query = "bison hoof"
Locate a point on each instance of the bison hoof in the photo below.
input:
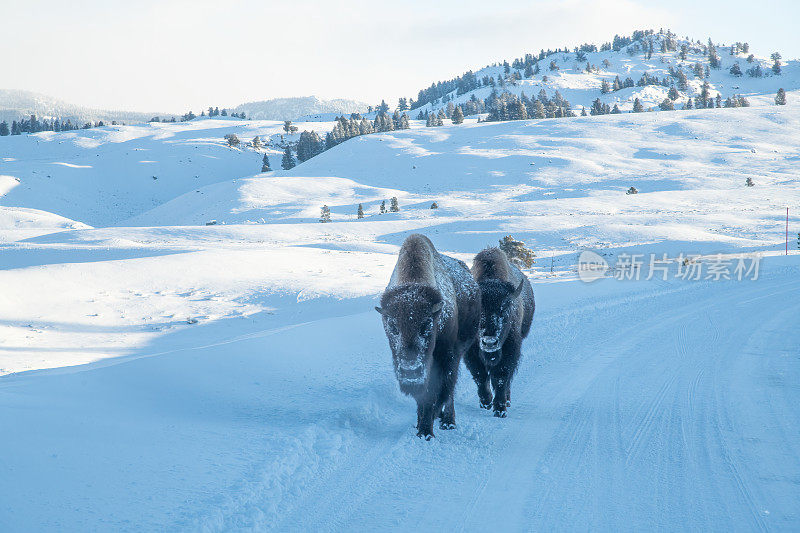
(426, 436)
(447, 425)
(500, 414)
(486, 405)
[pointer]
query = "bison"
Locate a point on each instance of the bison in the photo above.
(507, 306)
(430, 312)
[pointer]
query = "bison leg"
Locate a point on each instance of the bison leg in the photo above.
(502, 375)
(448, 420)
(480, 375)
(425, 416)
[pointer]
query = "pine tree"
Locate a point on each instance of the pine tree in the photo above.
(666, 105)
(516, 252)
(382, 208)
(4, 129)
(637, 106)
(776, 65)
(325, 214)
(394, 207)
(265, 164)
(539, 110)
(673, 94)
(458, 116)
(736, 70)
(257, 143)
(404, 125)
(615, 110)
(749, 182)
(780, 97)
(605, 88)
(309, 145)
(288, 161)
(360, 212)
(232, 139)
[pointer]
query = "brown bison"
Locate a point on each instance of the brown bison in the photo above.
(507, 306)
(430, 311)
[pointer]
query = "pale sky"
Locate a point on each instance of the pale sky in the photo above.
(176, 55)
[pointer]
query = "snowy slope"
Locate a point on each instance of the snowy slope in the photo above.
(17, 104)
(161, 374)
(105, 175)
(295, 108)
(581, 88)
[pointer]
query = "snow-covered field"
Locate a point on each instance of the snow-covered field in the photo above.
(164, 374)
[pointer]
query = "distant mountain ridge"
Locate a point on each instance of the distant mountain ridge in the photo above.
(293, 108)
(19, 104)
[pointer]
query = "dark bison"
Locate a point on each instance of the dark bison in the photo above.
(430, 313)
(507, 307)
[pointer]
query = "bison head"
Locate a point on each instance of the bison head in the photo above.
(411, 321)
(497, 308)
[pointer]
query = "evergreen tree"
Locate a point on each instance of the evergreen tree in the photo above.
(615, 110)
(402, 104)
(288, 160)
(404, 125)
(539, 110)
(325, 214)
(688, 104)
(776, 65)
(749, 182)
(288, 127)
(394, 207)
(382, 208)
(666, 105)
(736, 70)
(224, 112)
(458, 116)
(673, 94)
(516, 252)
(232, 139)
(780, 97)
(4, 129)
(637, 106)
(360, 212)
(257, 144)
(605, 88)
(583, 112)
(309, 145)
(265, 164)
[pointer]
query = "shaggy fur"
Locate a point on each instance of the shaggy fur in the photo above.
(507, 306)
(430, 311)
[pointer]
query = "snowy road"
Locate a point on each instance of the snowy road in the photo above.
(638, 406)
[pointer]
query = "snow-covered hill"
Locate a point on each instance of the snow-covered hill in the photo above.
(581, 87)
(299, 107)
(164, 374)
(17, 104)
